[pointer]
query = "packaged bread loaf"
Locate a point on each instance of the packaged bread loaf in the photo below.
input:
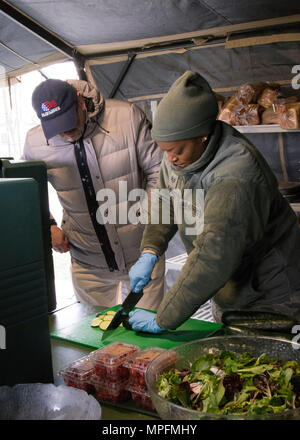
(249, 93)
(282, 104)
(269, 116)
(268, 97)
(227, 115)
(229, 110)
(290, 119)
(248, 115)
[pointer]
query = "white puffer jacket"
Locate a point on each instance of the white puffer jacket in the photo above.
(118, 147)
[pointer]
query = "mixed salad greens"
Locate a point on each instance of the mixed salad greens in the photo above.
(228, 383)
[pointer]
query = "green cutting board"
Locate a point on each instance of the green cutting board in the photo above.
(83, 334)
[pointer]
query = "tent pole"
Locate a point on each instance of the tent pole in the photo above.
(80, 70)
(122, 74)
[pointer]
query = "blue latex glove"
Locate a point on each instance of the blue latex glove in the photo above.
(143, 321)
(140, 273)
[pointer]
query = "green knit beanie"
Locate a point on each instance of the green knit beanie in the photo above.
(188, 110)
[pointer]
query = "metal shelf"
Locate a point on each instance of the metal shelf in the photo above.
(295, 206)
(273, 128)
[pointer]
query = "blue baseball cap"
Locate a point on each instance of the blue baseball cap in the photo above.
(55, 103)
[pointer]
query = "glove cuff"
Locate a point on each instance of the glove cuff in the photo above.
(149, 251)
(149, 256)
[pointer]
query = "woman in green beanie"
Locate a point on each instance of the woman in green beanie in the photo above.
(247, 257)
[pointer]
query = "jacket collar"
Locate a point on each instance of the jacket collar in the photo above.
(206, 157)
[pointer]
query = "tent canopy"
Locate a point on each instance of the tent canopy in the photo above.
(135, 49)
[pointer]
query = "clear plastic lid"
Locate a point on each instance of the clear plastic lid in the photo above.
(140, 360)
(80, 369)
(113, 354)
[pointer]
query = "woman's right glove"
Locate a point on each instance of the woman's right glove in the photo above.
(140, 273)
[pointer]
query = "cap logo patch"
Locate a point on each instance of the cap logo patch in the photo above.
(49, 107)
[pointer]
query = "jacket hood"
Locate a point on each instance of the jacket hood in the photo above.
(87, 90)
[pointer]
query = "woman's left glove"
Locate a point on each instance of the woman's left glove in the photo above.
(143, 321)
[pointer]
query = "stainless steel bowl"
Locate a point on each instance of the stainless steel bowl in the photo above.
(186, 353)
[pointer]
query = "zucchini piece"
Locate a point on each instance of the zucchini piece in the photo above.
(96, 321)
(109, 312)
(104, 324)
(259, 321)
(107, 318)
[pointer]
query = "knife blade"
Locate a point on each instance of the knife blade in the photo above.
(130, 301)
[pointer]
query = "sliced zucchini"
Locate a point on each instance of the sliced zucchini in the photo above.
(104, 324)
(103, 320)
(96, 321)
(107, 318)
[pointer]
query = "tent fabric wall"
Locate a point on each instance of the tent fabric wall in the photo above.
(98, 22)
(119, 20)
(22, 42)
(269, 146)
(222, 68)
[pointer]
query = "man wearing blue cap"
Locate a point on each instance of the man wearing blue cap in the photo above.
(247, 257)
(90, 144)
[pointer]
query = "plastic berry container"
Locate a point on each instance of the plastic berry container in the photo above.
(78, 374)
(137, 365)
(141, 398)
(109, 361)
(115, 392)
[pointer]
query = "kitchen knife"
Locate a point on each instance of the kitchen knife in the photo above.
(131, 300)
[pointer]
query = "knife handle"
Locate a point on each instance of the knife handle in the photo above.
(131, 300)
